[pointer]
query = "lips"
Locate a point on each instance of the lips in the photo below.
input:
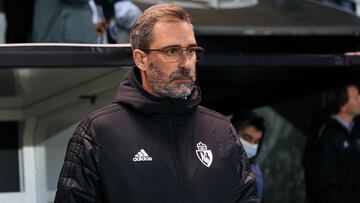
(183, 79)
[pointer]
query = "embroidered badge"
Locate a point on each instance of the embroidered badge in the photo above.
(204, 155)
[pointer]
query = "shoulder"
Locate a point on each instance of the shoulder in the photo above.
(211, 114)
(215, 119)
(98, 116)
(331, 135)
(331, 128)
(105, 111)
(87, 129)
(217, 123)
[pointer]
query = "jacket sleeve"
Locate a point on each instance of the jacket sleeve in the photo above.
(247, 189)
(79, 179)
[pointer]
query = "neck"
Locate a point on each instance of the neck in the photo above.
(345, 117)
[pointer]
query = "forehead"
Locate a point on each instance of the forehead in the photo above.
(172, 33)
(253, 132)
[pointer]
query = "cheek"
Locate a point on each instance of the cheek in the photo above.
(355, 106)
(193, 70)
(161, 66)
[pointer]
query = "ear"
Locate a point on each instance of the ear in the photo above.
(140, 59)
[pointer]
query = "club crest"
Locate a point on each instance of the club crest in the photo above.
(204, 155)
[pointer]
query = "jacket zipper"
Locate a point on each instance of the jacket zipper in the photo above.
(175, 155)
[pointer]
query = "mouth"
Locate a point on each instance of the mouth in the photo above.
(183, 80)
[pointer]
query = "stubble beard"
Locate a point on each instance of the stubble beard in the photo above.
(164, 85)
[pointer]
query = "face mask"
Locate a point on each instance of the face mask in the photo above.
(250, 149)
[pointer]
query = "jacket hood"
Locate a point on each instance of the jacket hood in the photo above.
(132, 94)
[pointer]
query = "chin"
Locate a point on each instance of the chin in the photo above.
(181, 93)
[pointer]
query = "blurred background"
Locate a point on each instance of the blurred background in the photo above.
(274, 57)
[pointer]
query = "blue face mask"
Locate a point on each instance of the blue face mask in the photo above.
(250, 149)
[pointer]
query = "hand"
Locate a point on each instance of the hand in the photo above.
(101, 27)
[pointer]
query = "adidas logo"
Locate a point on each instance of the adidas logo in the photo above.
(142, 156)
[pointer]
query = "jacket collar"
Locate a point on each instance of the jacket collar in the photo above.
(132, 94)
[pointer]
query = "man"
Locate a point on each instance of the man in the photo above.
(155, 143)
(337, 153)
(251, 132)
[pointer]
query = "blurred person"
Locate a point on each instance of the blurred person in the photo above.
(154, 143)
(336, 152)
(67, 21)
(250, 130)
(120, 16)
(100, 22)
(125, 16)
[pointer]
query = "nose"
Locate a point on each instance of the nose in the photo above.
(185, 60)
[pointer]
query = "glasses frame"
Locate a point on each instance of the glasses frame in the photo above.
(179, 54)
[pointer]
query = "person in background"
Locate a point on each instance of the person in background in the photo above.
(100, 22)
(155, 143)
(120, 16)
(334, 159)
(125, 16)
(250, 130)
(67, 21)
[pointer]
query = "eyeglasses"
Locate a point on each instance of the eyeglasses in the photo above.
(172, 54)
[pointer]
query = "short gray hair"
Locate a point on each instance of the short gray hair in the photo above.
(141, 34)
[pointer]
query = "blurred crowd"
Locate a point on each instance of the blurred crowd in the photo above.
(68, 21)
(83, 21)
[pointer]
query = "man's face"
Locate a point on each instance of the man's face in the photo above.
(251, 134)
(174, 78)
(353, 104)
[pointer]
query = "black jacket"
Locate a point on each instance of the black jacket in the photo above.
(338, 164)
(144, 149)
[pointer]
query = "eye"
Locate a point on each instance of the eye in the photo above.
(247, 138)
(191, 50)
(172, 51)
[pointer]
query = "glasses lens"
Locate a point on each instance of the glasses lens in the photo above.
(172, 53)
(175, 53)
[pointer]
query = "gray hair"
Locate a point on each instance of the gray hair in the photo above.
(141, 34)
